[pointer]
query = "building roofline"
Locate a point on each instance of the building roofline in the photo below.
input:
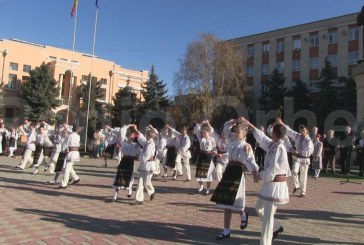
(287, 28)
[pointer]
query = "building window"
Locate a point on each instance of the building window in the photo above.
(12, 81)
(280, 46)
(314, 63)
(265, 47)
(280, 67)
(353, 57)
(314, 41)
(251, 50)
(264, 69)
(103, 81)
(25, 78)
(354, 34)
(27, 68)
(296, 65)
(52, 57)
(13, 66)
(332, 37)
(332, 59)
(296, 44)
(63, 59)
(249, 71)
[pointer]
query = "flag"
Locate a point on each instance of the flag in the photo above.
(74, 7)
(97, 3)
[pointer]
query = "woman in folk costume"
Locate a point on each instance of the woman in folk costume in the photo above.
(147, 164)
(29, 148)
(111, 139)
(4, 135)
(60, 164)
(13, 137)
(161, 145)
(230, 192)
(130, 150)
(171, 155)
(183, 144)
(222, 153)
(274, 190)
(317, 155)
(42, 141)
(204, 163)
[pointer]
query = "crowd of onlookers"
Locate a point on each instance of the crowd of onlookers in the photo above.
(344, 149)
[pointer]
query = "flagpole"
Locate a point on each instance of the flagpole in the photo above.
(90, 80)
(73, 50)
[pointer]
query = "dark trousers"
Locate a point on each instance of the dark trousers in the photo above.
(260, 155)
(345, 156)
(329, 160)
(360, 160)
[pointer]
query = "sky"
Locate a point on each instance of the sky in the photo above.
(140, 33)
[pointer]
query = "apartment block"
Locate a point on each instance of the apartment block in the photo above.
(70, 69)
(298, 52)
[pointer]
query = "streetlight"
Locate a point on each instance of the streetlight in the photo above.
(111, 85)
(2, 85)
(2, 74)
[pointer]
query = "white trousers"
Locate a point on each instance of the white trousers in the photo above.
(26, 158)
(302, 181)
(54, 159)
(67, 172)
(145, 180)
(266, 211)
(220, 168)
(186, 162)
(40, 160)
(11, 151)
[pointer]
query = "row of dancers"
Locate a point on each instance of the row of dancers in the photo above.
(169, 148)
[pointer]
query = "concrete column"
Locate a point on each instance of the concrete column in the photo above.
(61, 76)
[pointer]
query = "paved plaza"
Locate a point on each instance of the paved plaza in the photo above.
(32, 212)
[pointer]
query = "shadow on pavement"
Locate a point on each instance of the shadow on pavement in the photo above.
(169, 232)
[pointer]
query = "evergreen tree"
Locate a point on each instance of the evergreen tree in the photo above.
(273, 96)
(327, 98)
(95, 110)
(125, 107)
(40, 93)
(348, 94)
(300, 94)
(154, 93)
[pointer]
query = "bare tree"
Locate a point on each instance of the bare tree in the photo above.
(210, 68)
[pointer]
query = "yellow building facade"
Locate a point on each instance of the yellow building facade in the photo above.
(19, 57)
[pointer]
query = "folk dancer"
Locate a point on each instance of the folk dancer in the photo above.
(304, 149)
(72, 157)
(330, 145)
(317, 155)
(30, 148)
(60, 136)
(171, 154)
(160, 159)
(230, 192)
(13, 137)
(204, 164)
(124, 177)
(274, 190)
(63, 151)
(183, 144)
(42, 140)
(222, 153)
(147, 165)
(4, 135)
(111, 139)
